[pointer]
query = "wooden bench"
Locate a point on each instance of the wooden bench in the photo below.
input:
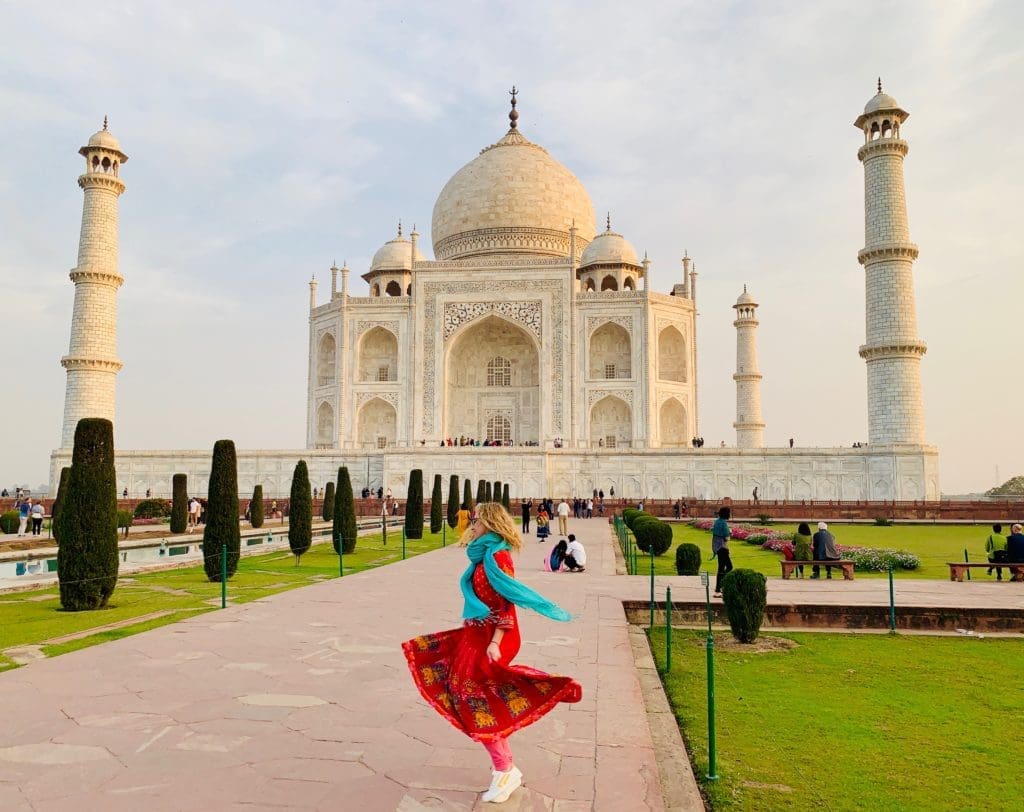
(845, 566)
(958, 569)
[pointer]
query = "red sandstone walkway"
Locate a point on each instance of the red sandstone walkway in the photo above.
(303, 700)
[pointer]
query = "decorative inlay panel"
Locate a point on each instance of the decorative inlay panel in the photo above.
(593, 322)
(363, 326)
(594, 395)
(528, 314)
(363, 398)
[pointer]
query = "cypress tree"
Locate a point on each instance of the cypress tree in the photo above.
(487, 491)
(436, 508)
(414, 506)
(256, 507)
(496, 493)
(87, 555)
(329, 502)
(58, 501)
(453, 500)
(504, 497)
(480, 492)
(467, 494)
(179, 503)
(300, 512)
(222, 530)
(344, 514)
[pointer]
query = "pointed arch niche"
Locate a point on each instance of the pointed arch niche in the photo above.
(326, 360)
(492, 367)
(611, 352)
(611, 423)
(672, 423)
(378, 356)
(324, 425)
(672, 355)
(376, 424)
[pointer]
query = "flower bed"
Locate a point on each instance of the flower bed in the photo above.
(867, 559)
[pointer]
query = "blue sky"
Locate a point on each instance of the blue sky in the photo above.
(266, 141)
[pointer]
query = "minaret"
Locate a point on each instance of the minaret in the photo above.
(92, 363)
(749, 425)
(334, 281)
(892, 349)
(344, 279)
(312, 293)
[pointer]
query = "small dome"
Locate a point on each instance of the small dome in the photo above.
(395, 255)
(746, 298)
(104, 139)
(609, 248)
(881, 101)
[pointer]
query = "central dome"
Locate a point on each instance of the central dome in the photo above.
(513, 198)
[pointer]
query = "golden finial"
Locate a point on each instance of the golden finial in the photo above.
(513, 116)
(879, 84)
(608, 222)
(399, 228)
(104, 122)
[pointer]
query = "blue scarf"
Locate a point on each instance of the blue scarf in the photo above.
(483, 549)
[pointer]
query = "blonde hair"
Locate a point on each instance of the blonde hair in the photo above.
(496, 519)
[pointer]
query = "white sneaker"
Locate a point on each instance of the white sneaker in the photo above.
(503, 785)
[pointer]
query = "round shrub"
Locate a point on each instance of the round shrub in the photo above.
(628, 515)
(9, 521)
(152, 509)
(745, 594)
(687, 559)
(651, 532)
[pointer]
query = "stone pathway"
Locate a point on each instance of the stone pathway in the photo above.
(303, 700)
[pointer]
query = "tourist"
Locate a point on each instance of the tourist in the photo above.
(24, 510)
(802, 542)
(124, 494)
(590, 508)
(755, 494)
(824, 550)
(525, 506)
(554, 560)
(193, 514)
(542, 525)
(466, 674)
(1015, 551)
(790, 442)
(995, 546)
(678, 509)
(38, 511)
(575, 555)
(462, 519)
(563, 517)
(720, 534)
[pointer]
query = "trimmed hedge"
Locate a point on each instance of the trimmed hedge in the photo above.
(652, 532)
(453, 500)
(222, 530)
(152, 509)
(436, 506)
(504, 497)
(745, 594)
(87, 555)
(300, 512)
(256, 507)
(328, 514)
(414, 505)
(481, 492)
(58, 502)
(687, 559)
(179, 503)
(628, 515)
(9, 521)
(344, 526)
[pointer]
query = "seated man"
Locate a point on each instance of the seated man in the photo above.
(1014, 549)
(575, 555)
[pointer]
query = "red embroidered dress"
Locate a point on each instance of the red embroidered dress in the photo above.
(484, 700)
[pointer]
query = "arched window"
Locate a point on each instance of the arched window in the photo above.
(499, 372)
(672, 355)
(629, 284)
(499, 428)
(326, 360)
(609, 283)
(590, 284)
(324, 426)
(393, 289)
(375, 290)
(408, 289)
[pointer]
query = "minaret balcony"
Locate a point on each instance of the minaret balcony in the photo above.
(892, 250)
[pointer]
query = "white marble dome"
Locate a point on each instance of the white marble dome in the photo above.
(881, 101)
(395, 255)
(746, 298)
(104, 139)
(609, 248)
(513, 198)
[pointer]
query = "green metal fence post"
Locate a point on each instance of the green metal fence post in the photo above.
(712, 744)
(967, 561)
(223, 576)
(892, 603)
(444, 534)
(652, 584)
(384, 528)
(668, 629)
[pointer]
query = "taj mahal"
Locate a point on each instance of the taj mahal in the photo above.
(532, 349)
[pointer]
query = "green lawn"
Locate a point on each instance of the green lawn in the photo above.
(933, 544)
(856, 722)
(31, 618)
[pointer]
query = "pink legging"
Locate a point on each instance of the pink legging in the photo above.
(500, 753)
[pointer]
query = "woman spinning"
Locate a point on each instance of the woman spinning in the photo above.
(466, 673)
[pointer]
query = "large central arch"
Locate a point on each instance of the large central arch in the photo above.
(492, 373)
